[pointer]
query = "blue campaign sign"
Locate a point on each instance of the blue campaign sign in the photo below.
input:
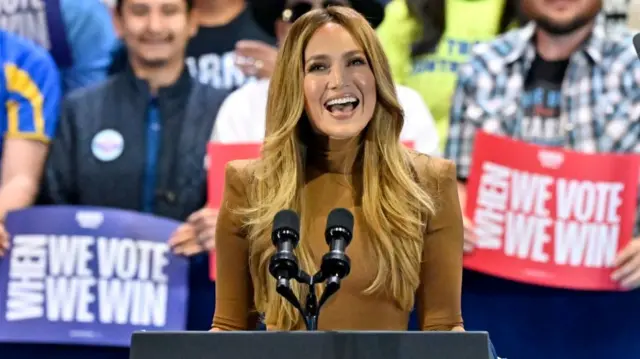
(87, 275)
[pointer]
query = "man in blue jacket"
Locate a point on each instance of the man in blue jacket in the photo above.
(138, 140)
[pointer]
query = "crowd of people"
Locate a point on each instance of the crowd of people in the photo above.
(112, 103)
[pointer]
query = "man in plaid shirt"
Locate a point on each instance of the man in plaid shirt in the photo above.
(560, 81)
(579, 91)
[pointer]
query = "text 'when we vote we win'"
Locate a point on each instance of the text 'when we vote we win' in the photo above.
(86, 279)
(543, 219)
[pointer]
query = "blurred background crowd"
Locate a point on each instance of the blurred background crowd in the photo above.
(111, 103)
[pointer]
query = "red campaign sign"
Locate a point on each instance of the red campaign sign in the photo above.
(219, 155)
(549, 216)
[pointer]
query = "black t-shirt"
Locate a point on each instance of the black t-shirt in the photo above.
(210, 56)
(541, 123)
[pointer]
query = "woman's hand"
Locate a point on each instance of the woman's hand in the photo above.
(197, 234)
(627, 265)
(256, 58)
(470, 239)
(4, 240)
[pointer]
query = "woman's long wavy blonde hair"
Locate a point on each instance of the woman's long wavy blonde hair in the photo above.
(394, 205)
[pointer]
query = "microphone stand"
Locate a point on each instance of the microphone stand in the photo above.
(283, 287)
(312, 306)
(312, 309)
(335, 266)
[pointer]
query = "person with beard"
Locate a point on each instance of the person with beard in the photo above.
(572, 87)
(138, 141)
(242, 117)
(225, 52)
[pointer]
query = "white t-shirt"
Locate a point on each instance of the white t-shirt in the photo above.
(242, 116)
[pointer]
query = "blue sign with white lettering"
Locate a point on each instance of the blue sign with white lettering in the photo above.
(87, 275)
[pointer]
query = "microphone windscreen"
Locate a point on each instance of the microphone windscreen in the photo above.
(286, 219)
(636, 44)
(340, 217)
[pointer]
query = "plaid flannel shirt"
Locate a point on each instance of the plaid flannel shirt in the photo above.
(600, 105)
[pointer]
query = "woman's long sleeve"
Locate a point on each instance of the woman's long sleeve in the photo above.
(234, 289)
(439, 295)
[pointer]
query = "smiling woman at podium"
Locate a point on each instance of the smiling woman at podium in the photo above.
(333, 126)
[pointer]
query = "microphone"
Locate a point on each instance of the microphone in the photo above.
(285, 237)
(636, 44)
(336, 264)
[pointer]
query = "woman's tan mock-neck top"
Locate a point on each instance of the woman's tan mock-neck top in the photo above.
(333, 179)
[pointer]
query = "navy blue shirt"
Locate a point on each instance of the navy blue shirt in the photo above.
(154, 128)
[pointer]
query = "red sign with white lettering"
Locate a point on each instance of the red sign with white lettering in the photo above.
(549, 216)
